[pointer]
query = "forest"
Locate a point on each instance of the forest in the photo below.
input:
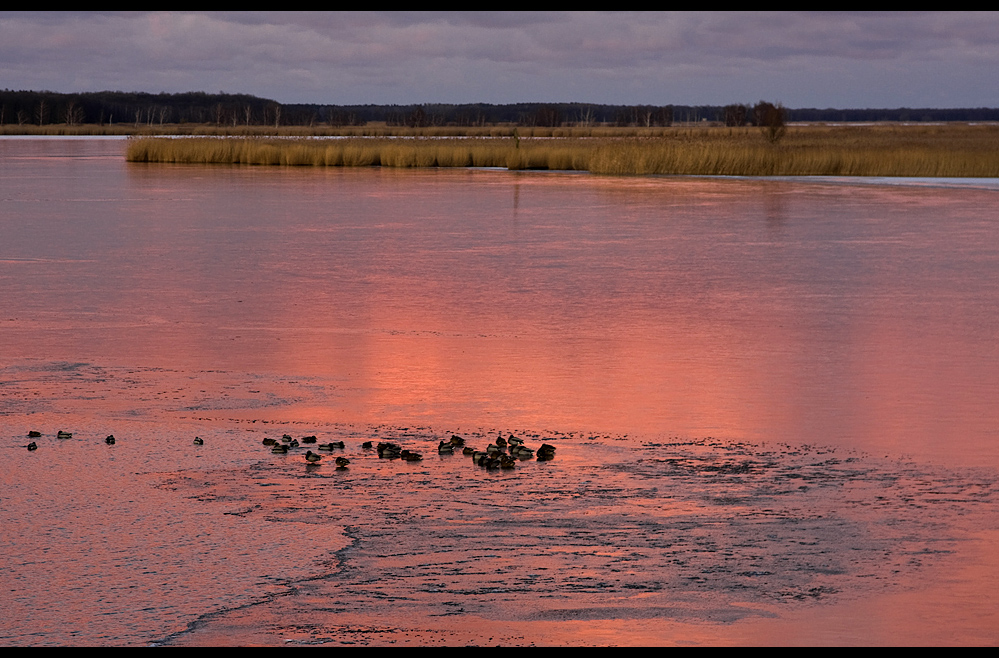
(138, 109)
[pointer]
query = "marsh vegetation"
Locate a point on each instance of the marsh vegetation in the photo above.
(947, 150)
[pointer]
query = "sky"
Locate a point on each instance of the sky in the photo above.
(800, 59)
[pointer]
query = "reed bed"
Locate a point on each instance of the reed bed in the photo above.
(936, 151)
(67, 130)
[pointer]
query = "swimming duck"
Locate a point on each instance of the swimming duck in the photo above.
(342, 462)
(270, 442)
(389, 450)
(279, 449)
(63, 435)
(411, 456)
(198, 441)
(312, 457)
(34, 434)
(109, 440)
(546, 452)
(32, 446)
(445, 448)
(309, 439)
(523, 453)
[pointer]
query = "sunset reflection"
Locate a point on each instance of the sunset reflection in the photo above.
(648, 327)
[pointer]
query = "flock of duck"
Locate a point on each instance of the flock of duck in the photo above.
(503, 453)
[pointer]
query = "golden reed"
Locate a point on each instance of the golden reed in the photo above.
(947, 150)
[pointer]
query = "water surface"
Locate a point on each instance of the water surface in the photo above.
(770, 397)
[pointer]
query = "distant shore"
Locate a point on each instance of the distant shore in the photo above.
(942, 150)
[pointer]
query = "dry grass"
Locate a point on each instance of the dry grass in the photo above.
(942, 150)
(55, 129)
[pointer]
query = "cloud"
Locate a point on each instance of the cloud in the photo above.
(808, 58)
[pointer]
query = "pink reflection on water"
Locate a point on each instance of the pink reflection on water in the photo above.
(162, 302)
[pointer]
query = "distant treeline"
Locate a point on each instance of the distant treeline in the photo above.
(143, 109)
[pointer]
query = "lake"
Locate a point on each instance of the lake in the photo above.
(772, 402)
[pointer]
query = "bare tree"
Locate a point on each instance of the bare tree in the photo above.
(74, 114)
(736, 115)
(417, 118)
(771, 120)
(42, 113)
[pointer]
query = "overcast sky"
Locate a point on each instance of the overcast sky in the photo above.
(802, 59)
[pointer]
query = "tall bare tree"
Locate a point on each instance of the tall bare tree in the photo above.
(42, 113)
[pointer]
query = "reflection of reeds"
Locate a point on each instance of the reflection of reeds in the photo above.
(946, 150)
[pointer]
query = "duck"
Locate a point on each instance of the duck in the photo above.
(312, 457)
(342, 462)
(279, 449)
(389, 450)
(109, 440)
(32, 446)
(521, 452)
(270, 442)
(309, 439)
(64, 435)
(198, 441)
(546, 452)
(445, 448)
(34, 434)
